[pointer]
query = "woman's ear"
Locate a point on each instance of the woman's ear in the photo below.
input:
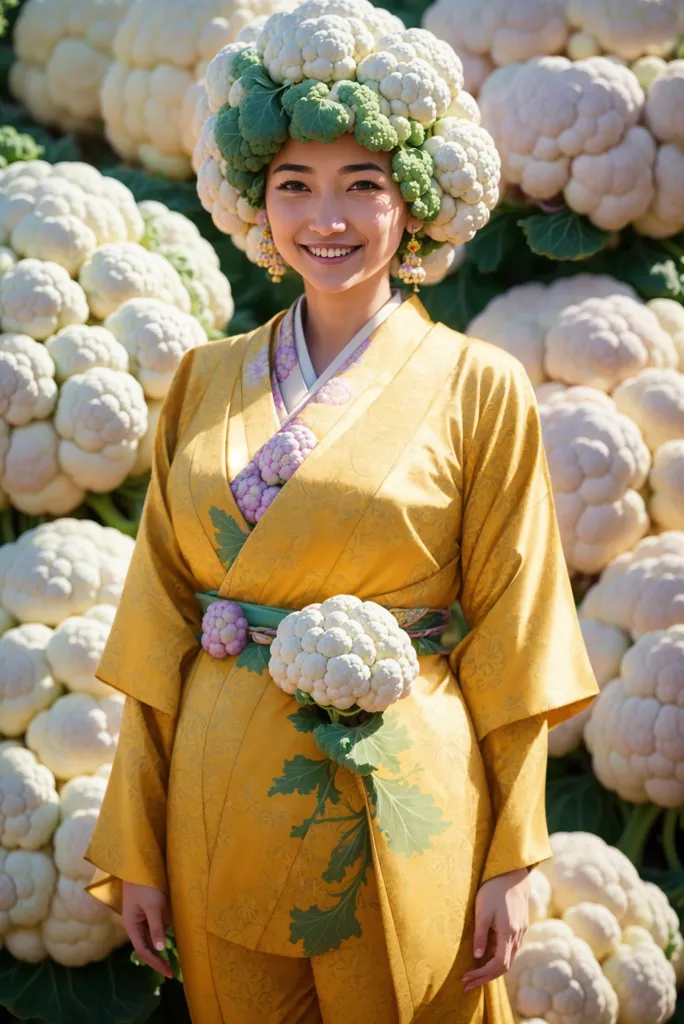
(413, 224)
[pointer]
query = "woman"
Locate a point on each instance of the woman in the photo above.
(412, 474)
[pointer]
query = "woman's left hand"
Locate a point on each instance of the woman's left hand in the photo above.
(501, 906)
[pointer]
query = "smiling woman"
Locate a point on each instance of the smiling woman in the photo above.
(340, 825)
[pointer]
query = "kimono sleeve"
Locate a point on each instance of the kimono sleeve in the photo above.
(153, 639)
(524, 654)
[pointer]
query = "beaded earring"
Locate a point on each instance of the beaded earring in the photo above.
(411, 271)
(268, 256)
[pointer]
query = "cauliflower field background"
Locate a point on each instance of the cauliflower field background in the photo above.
(578, 272)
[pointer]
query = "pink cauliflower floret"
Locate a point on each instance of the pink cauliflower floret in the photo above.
(285, 358)
(284, 453)
(335, 392)
(248, 490)
(268, 496)
(224, 629)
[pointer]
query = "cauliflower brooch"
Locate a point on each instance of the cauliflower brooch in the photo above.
(345, 653)
(326, 69)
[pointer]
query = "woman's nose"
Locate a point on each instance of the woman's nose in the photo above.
(327, 219)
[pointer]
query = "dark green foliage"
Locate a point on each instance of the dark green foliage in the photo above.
(563, 236)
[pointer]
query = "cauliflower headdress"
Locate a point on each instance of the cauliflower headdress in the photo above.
(322, 70)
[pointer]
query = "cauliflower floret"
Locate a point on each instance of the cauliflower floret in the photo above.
(125, 270)
(664, 115)
(409, 86)
(585, 869)
(74, 651)
(29, 804)
(654, 400)
(83, 347)
(33, 477)
(666, 481)
(572, 128)
(27, 881)
(101, 415)
(556, 974)
(552, 392)
(671, 318)
(344, 652)
(26, 682)
(598, 462)
(78, 929)
(628, 28)
(27, 380)
(665, 214)
(647, 69)
(636, 731)
(540, 896)
(328, 48)
(229, 211)
(62, 568)
(38, 297)
(643, 979)
(77, 734)
(155, 336)
(26, 944)
(82, 793)
(64, 49)
(597, 925)
(663, 925)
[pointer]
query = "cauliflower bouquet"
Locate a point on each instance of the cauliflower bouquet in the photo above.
(340, 66)
(99, 299)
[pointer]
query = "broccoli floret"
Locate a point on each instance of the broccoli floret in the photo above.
(251, 187)
(294, 93)
(412, 167)
(417, 136)
(15, 146)
(426, 207)
(243, 60)
(376, 133)
(234, 148)
(315, 117)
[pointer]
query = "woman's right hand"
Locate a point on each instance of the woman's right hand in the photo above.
(145, 915)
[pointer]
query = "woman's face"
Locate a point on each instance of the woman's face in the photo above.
(336, 215)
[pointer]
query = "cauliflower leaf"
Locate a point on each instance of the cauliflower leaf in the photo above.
(563, 236)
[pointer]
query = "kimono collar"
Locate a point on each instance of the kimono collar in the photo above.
(303, 358)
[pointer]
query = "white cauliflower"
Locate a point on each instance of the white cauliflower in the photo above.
(663, 115)
(666, 481)
(555, 974)
(29, 804)
(671, 318)
(125, 270)
(33, 477)
(328, 48)
(82, 793)
(654, 400)
(540, 895)
(344, 652)
(641, 590)
(663, 924)
(64, 49)
(27, 881)
(643, 979)
(155, 336)
(467, 172)
(628, 28)
(597, 925)
(229, 212)
(552, 392)
(28, 390)
(27, 685)
(63, 568)
(647, 69)
(598, 462)
(38, 297)
(572, 128)
(101, 415)
(77, 734)
(636, 730)
(83, 347)
(74, 651)
(408, 86)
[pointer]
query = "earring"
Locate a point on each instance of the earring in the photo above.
(411, 271)
(268, 256)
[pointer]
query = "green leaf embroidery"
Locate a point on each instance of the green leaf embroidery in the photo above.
(363, 748)
(408, 818)
(303, 775)
(565, 235)
(254, 658)
(349, 848)
(228, 537)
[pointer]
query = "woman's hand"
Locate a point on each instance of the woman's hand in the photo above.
(145, 916)
(502, 906)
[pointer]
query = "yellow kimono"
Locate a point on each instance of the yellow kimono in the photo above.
(292, 903)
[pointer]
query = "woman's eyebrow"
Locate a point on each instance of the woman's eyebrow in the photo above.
(355, 168)
(297, 168)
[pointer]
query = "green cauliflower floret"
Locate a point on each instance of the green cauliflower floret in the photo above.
(427, 206)
(371, 128)
(314, 116)
(376, 134)
(234, 148)
(412, 171)
(14, 146)
(251, 187)
(417, 136)
(244, 60)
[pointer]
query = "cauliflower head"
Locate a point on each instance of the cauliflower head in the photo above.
(344, 652)
(643, 979)
(125, 270)
(77, 734)
(671, 318)
(28, 390)
(27, 685)
(38, 297)
(73, 653)
(666, 482)
(83, 347)
(27, 881)
(64, 49)
(82, 793)
(654, 400)
(636, 730)
(596, 925)
(598, 461)
(29, 804)
(627, 28)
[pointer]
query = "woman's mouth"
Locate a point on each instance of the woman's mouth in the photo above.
(330, 253)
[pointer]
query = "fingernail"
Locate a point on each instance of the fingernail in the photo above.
(478, 952)
(159, 946)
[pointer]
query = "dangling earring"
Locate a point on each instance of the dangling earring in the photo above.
(411, 271)
(268, 256)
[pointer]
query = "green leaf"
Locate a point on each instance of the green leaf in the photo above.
(255, 658)
(263, 122)
(306, 719)
(228, 537)
(363, 748)
(303, 775)
(113, 991)
(495, 241)
(563, 236)
(650, 270)
(577, 802)
(407, 817)
(354, 843)
(427, 645)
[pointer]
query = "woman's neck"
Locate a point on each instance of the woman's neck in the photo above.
(331, 320)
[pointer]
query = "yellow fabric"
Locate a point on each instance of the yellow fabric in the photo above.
(428, 485)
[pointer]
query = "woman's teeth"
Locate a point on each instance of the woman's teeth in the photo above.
(330, 253)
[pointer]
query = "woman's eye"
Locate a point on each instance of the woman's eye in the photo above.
(292, 186)
(365, 186)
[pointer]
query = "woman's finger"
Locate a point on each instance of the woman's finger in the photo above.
(139, 935)
(497, 965)
(483, 924)
(155, 925)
